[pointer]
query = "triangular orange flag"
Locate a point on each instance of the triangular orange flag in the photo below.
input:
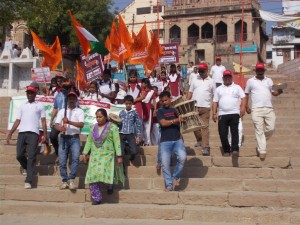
(139, 47)
(154, 51)
(126, 41)
(80, 77)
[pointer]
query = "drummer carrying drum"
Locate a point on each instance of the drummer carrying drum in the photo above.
(201, 90)
(261, 89)
(170, 142)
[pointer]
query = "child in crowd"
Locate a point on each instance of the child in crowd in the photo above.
(131, 129)
(155, 131)
(93, 92)
(53, 86)
(163, 79)
(148, 95)
(174, 81)
(134, 89)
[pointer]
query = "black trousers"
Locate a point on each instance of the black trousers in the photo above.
(130, 138)
(54, 139)
(27, 141)
(231, 121)
(218, 84)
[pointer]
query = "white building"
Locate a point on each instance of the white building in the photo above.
(286, 44)
(140, 11)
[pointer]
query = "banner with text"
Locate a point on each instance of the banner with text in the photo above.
(170, 54)
(41, 75)
(92, 66)
(89, 108)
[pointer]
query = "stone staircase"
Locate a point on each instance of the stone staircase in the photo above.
(213, 189)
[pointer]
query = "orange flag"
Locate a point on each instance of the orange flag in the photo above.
(126, 41)
(139, 47)
(80, 77)
(115, 43)
(52, 55)
(154, 51)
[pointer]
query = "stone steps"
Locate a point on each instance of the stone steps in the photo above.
(208, 214)
(187, 185)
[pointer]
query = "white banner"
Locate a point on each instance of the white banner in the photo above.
(88, 106)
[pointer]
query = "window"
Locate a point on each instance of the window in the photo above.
(155, 9)
(144, 10)
(269, 54)
(161, 33)
(279, 52)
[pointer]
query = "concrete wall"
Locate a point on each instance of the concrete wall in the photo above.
(291, 68)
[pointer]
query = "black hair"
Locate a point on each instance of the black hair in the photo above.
(103, 112)
(134, 72)
(172, 65)
(53, 80)
(128, 98)
(107, 71)
(163, 72)
(147, 82)
(96, 84)
(164, 94)
(154, 87)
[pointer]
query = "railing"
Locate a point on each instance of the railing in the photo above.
(221, 38)
(193, 40)
(175, 40)
(237, 37)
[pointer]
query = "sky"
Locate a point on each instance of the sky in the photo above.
(274, 6)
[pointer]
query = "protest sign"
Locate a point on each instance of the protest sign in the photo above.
(41, 75)
(88, 106)
(170, 53)
(138, 67)
(92, 66)
(120, 76)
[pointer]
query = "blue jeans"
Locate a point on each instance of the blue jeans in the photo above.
(167, 149)
(67, 145)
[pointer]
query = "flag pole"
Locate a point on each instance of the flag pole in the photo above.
(241, 43)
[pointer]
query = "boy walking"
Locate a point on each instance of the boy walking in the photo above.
(170, 142)
(131, 129)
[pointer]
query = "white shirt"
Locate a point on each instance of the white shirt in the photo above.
(217, 73)
(260, 92)
(104, 89)
(74, 115)
(134, 93)
(92, 96)
(229, 98)
(203, 91)
(152, 79)
(30, 115)
(192, 77)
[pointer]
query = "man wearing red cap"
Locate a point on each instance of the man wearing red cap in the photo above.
(260, 90)
(229, 98)
(28, 122)
(216, 72)
(69, 124)
(201, 90)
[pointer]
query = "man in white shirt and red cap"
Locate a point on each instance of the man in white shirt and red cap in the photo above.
(28, 121)
(216, 71)
(263, 115)
(201, 90)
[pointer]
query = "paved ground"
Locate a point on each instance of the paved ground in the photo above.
(22, 220)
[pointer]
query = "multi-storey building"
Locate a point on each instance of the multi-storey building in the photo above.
(206, 28)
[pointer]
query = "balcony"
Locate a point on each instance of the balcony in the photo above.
(175, 40)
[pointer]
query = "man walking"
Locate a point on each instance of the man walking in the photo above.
(216, 72)
(260, 90)
(70, 124)
(170, 142)
(201, 90)
(229, 98)
(28, 122)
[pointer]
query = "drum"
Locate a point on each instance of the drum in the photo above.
(176, 101)
(278, 86)
(115, 118)
(191, 123)
(185, 107)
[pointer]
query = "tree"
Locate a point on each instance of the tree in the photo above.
(49, 18)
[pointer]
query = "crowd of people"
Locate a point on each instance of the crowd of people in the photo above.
(149, 118)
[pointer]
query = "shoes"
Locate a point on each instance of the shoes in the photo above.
(72, 185)
(226, 154)
(262, 156)
(198, 144)
(206, 151)
(96, 202)
(27, 186)
(64, 186)
(23, 171)
(235, 153)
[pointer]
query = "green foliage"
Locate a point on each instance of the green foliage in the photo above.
(49, 18)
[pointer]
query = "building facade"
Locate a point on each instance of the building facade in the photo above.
(206, 28)
(140, 11)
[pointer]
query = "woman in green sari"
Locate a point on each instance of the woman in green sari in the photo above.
(103, 144)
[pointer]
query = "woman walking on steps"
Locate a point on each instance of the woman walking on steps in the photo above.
(104, 146)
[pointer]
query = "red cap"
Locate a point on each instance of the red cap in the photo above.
(218, 58)
(227, 73)
(31, 88)
(203, 66)
(260, 66)
(73, 93)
